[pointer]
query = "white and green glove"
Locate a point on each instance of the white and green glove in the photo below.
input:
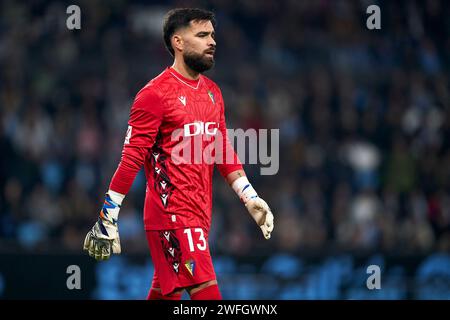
(103, 239)
(256, 206)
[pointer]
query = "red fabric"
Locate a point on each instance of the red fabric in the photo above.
(178, 194)
(208, 293)
(176, 266)
(145, 118)
(157, 295)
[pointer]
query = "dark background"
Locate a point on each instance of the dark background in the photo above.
(364, 145)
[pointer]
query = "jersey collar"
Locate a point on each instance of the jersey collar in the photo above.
(194, 84)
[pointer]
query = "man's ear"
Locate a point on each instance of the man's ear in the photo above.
(177, 42)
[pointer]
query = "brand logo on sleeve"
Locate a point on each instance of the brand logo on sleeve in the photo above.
(128, 135)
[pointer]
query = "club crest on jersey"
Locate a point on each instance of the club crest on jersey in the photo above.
(211, 95)
(190, 266)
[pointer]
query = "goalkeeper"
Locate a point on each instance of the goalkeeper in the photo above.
(178, 202)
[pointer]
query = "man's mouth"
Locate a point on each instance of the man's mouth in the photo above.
(210, 52)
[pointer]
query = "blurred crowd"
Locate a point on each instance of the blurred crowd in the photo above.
(363, 116)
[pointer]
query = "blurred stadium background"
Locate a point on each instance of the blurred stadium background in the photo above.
(364, 156)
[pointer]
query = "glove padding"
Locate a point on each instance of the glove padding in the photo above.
(262, 214)
(102, 239)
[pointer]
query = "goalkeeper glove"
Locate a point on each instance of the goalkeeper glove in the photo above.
(103, 238)
(256, 206)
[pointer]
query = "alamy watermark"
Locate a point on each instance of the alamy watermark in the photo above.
(374, 20)
(374, 280)
(74, 279)
(203, 143)
(73, 21)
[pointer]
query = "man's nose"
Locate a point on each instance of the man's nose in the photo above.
(211, 42)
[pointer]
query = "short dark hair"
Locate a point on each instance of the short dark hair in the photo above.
(180, 18)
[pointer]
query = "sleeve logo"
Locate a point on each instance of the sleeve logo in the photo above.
(128, 136)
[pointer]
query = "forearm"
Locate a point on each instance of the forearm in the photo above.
(238, 181)
(257, 207)
(231, 177)
(129, 166)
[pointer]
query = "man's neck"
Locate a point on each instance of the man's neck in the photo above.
(184, 70)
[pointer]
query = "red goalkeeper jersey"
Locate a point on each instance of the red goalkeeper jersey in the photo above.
(173, 122)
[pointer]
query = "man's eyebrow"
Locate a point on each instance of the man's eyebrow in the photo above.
(204, 33)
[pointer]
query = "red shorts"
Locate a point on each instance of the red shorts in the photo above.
(181, 258)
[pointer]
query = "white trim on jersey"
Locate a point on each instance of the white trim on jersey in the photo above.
(195, 88)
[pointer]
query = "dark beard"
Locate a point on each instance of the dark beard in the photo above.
(197, 62)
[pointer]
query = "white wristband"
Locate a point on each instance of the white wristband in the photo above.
(116, 197)
(111, 207)
(244, 189)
